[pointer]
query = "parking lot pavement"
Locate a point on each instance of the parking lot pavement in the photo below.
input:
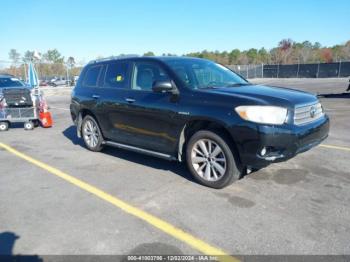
(298, 207)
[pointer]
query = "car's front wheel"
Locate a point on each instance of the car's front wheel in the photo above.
(211, 160)
(4, 126)
(91, 134)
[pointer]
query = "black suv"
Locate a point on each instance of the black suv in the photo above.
(194, 110)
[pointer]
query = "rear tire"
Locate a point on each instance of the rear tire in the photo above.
(211, 160)
(4, 126)
(91, 134)
(28, 125)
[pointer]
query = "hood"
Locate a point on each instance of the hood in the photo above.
(267, 94)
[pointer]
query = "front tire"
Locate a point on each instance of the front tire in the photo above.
(211, 160)
(91, 134)
(4, 126)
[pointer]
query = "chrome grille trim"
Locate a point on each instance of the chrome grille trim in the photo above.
(303, 116)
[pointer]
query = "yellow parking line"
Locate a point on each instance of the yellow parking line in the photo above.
(336, 147)
(162, 225)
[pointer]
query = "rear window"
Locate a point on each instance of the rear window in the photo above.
(117, 75)
(92, 75)
(10, 82)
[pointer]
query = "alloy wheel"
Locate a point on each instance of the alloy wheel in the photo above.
(208, 160)
(91, 134)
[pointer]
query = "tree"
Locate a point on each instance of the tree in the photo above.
(28, 56)
(14, 56)
(263, 56)
(243, 59)
(252, 55)
(338, 52)
(285, 47)
(70, 62)
(149, 53)
(276, 56)
(316, 45)
(233, 56)
(326, 55)
(346, 50)
(305, 52)
(54, 56)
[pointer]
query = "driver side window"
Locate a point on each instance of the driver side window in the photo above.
(145, 74)
(206, 76)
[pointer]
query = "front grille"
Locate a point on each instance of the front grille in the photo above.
(307, 114)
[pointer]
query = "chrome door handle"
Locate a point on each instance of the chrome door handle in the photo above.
(95, 96)
(130, 100)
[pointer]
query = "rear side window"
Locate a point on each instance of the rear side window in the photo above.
(92, 75)
(117, 75)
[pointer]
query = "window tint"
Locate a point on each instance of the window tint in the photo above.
(206, 75)
(117, 75)
(183, 73)
(145, 74)
(91, 76)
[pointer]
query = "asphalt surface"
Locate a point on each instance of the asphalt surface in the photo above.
(297, 207)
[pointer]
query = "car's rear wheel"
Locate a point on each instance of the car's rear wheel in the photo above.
(92, 134)
(211, 160)
(28, 125)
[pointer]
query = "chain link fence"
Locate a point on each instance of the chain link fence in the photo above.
(317, 70)
(249, 71)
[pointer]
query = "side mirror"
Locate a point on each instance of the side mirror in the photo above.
(162, 86)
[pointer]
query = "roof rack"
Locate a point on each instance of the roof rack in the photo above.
(112, 58)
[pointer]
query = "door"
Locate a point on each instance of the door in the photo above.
(88, 92)
(112, 104)
(150, 119)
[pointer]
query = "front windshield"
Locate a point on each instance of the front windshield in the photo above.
(10, 82)
(197, 74)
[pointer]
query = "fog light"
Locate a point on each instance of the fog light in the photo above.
(263, 151)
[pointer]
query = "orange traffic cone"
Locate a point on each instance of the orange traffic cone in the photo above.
(45, 119)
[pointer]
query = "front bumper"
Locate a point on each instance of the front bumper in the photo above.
(266, 144)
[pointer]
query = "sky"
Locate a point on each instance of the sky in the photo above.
(86, 29)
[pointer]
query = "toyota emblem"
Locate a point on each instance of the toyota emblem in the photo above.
(312, 111)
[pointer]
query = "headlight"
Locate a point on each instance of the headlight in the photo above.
(263, 114)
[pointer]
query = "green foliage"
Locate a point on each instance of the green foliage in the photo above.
(149, 54)
(286, 52)
(263, 56)
(252, 55)
(53, 56)
(234, 56)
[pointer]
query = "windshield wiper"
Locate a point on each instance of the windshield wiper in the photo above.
(207, 87)
(238, 84)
